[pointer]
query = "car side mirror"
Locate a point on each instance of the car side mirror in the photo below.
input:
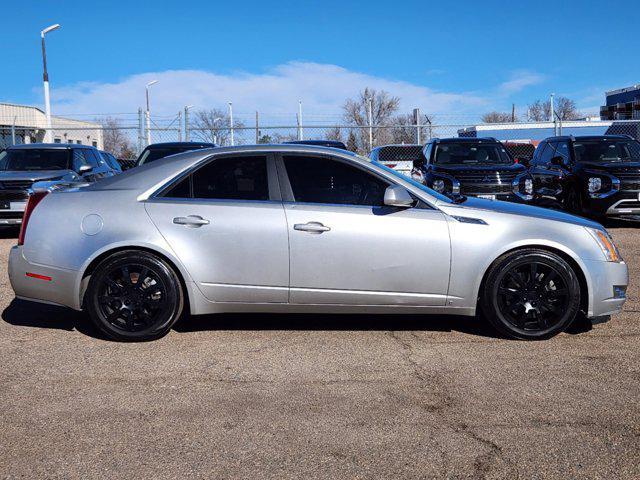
(84, 169)
(418, 162)
(523, 161)
(398, 196)
(557, 161)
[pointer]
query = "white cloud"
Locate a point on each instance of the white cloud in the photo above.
(519, 80)
(322, 88)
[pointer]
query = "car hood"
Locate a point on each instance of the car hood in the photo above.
(474, 207)
(453, 169)
(32, 175)
(610, 166)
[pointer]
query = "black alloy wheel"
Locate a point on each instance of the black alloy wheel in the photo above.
(531, 294)
(135, 296)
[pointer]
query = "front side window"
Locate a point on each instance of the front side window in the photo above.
(601, 151)
(231, 178)
(465, 153)
(324, 180)
(562, 150)
(548, 152)
(34, 159)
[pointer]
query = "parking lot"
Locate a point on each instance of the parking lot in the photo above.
(273, 396)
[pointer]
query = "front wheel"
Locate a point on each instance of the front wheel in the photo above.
(134, 296)
(531, 294)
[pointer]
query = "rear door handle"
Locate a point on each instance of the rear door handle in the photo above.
(191, 221)
(311, 227)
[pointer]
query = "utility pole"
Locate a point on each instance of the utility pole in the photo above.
(416, 119)
(370, 115)
(551, 113)
(513, 113)
(45, 78)
(179, 125)
(148, 111)
(231, 122)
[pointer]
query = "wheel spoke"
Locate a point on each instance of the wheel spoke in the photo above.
(534, 274)
(126, 275)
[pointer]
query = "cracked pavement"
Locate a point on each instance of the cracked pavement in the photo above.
(319, 396)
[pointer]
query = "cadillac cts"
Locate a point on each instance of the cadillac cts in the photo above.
(294, 228)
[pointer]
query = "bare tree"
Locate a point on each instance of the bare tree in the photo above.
(115, 138)
(405, 128)
(213, 126)
(497, 117)
(381, 106)
(564, 108)
(333, 134)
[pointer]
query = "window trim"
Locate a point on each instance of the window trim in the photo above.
(285, 183)
(272, 181)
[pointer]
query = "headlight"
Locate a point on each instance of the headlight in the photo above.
(606, 244)
(528, 186)
(595, 184)
(438, 185)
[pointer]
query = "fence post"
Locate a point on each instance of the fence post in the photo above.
(179, 125)
(187, 133)
(300, 136)
(231, 123)
(13, 131)
(370, 115)
(416, 116)
(140, 131)
(257, 129)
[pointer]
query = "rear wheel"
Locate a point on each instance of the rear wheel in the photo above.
(531, 294)
(134, 296)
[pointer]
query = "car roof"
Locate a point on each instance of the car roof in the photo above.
(466, 140)
(589, 137)
(49, 146)
(399, 145)
(181, 144)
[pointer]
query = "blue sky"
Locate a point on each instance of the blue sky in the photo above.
(464, 57)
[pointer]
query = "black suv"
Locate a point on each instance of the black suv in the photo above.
(479, 167)
(591, 175)
(156, 151)
(46, 163)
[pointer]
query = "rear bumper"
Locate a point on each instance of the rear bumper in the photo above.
(47, 285)
(604, 277)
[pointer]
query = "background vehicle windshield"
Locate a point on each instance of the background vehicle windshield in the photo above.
(35, 159)
(607, 151)
(151, 155)
(471, 154)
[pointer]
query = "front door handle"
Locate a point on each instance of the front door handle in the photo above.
(311, 227)
(191, 221)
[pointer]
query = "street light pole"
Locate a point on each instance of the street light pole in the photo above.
(148, 111)
(187, 133)
(45, 79)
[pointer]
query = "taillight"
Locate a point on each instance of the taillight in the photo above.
(34, 199)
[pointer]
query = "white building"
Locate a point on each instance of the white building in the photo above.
(26, 124)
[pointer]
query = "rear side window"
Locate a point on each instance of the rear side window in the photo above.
(232, 178)
(323, 180)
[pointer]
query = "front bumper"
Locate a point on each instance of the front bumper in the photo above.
(619, 204)
(47, 284)
(13, 214)
(604, 277)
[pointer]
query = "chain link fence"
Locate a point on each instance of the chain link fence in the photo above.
(126, 134)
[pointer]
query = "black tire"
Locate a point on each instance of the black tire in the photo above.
(573, 202)
(531, 294)
(134, 296)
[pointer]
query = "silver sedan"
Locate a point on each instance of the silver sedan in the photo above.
(294, 228)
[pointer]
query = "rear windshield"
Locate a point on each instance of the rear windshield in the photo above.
(601, 151)
(35, 159)
(153, 154)
(471, 154)
(399, 154)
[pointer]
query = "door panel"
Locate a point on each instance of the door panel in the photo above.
(241, 255)
(367, 255)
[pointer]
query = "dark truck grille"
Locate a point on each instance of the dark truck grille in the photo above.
(629, 178)
(14, 190)
(473, 182)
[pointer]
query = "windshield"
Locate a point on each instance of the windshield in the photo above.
(35, 159)
(471, 154)
(111, 161)
(607, 151)
(153, 154)
(419, 185)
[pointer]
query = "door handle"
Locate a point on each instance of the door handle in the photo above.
(191, 221)
(311, 227)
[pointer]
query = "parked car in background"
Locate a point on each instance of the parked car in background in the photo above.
(156, 151)
(595, 176)
(479, 167)
(319, 143)
(399, 157)
(295, 228)
(111, 160)
(21, 166)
